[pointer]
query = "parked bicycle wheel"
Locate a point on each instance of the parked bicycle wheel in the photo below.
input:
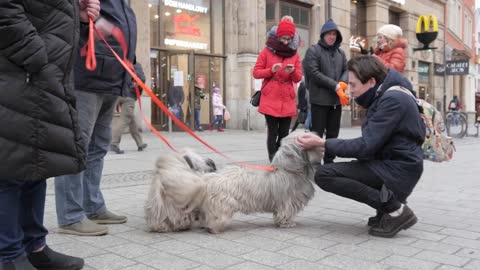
(456, 124)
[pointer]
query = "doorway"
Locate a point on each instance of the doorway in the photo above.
(174, 76)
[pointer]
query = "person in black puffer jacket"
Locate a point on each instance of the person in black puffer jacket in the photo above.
(325, 69)
(80, 204)
(40, 137)
(389, 153)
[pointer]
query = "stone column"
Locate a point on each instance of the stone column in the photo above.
(142, 12)
(244, 37)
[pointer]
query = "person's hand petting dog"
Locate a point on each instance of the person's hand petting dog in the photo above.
(310, 141)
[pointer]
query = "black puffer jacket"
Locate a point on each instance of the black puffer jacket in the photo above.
(323, 67)
(109, 77)
(392, 136)
(39, 136)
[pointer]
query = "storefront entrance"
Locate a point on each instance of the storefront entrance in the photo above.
(174, 75)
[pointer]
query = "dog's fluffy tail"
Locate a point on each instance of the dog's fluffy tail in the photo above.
(187, 191)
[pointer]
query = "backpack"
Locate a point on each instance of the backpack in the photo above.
(438, 146)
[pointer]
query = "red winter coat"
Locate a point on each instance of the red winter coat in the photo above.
(395, 56)
(278, 91)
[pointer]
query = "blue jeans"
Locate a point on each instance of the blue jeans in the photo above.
(22, 205)
(197, 119)
(79, 195)
(308, 120)
(218, 120)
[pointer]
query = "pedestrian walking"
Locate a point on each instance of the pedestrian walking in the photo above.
(127, 116)
(40, 137)
(389, 155)
(218, 109)
(325, 67)
(80, 205)
(279, 67)
(198, 95)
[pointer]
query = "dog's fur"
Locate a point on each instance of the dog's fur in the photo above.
(161, 213)
(217, 196)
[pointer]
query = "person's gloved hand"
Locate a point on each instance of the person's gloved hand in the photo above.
(365, 51)
(344, 98)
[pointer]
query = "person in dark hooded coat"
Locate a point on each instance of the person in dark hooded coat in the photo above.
(389, 153)
(40, 137)
(325, 71)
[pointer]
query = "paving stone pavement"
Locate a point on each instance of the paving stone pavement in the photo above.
(331, 232)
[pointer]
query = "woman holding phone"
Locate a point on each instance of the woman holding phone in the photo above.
(279, 66)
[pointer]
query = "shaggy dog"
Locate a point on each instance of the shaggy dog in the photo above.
(217, 196)
(160, 212)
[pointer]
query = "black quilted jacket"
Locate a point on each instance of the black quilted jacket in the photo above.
(39, 135)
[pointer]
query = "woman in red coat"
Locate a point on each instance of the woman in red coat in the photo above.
(280, 68)
(391, 47)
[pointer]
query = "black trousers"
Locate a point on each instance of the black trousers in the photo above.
(326, 120)
(277, 130)
(356, 181)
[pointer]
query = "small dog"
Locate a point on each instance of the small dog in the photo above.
(218, 195)
(160, 212)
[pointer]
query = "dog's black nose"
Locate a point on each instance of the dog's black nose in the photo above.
(211, 164)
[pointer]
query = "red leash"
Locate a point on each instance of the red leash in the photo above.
(129, 68)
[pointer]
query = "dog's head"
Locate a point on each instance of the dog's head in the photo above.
(187, 159)
(291, 157)
(198, 163)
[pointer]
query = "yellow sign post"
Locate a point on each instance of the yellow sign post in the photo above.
(427, 31)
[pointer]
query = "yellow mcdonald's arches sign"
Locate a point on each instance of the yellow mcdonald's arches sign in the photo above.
(427, 31)
(426, 21)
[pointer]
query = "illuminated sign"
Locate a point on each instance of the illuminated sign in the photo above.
(186, 44)
(357, 42)
(184, 24)
(186, 6)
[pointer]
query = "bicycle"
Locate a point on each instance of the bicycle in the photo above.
(456, 124)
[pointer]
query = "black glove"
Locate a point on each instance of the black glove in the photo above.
(365, 51)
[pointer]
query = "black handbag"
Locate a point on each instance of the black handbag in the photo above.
(255, 100)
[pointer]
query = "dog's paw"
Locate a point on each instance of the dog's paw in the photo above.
(214, 231)
(287, 225)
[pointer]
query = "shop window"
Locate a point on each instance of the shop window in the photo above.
(299, 14)
(423, 72)
(270, 8)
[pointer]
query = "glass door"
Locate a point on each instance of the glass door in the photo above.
(172, 84)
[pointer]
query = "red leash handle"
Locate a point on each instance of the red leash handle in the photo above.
(91, 60)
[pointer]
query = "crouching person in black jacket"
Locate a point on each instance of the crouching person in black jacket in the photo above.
(389, 154)
(40, 137)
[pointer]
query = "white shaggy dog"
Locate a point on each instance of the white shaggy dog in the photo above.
(160, 212)
(217, 196)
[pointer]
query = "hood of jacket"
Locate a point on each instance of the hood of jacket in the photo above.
(327, 27)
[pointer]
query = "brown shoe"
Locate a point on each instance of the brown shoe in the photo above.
(108, 218)
(85, 227)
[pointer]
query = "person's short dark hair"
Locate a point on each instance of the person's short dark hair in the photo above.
(366, 67)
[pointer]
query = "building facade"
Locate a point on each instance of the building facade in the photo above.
(460, 51)
(216, 43)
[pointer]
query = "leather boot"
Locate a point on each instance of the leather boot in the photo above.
(389, 226)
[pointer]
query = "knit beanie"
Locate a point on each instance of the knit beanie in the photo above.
(390, 31)
(216, 90)
(286, 28)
